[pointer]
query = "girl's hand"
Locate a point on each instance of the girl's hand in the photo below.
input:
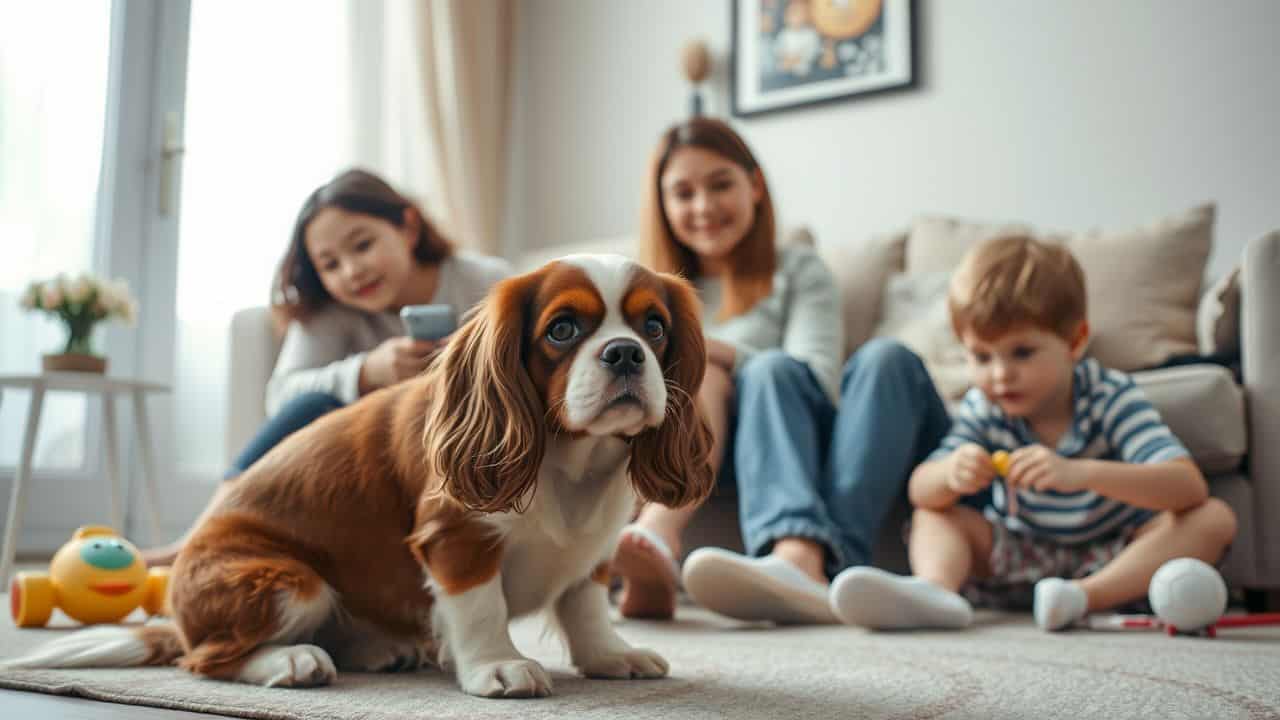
(1036, 467)
(969, 469)
(396, 359)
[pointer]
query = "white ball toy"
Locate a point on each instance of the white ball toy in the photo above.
(1188, 594)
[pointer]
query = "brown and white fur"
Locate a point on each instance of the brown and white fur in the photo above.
(408, 528)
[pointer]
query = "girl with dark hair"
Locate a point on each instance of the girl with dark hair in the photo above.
(813, 485)
(359, 252)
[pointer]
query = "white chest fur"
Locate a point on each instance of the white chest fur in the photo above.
(582, 501)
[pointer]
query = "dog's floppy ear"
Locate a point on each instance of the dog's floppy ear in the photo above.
(669, 463)
(484, 436)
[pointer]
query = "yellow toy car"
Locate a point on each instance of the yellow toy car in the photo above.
(97, 577)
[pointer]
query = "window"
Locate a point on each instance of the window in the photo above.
(263, 128)
(53, 94)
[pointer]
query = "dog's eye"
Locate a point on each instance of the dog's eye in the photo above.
(562, 331)
(654, 329)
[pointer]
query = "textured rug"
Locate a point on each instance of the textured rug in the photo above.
(1003, 668)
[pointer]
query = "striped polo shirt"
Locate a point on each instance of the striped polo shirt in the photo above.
(1113, 421)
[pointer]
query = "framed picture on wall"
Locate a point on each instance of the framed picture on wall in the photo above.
(795, 53)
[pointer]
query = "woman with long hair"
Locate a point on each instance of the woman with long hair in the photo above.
(813, 484)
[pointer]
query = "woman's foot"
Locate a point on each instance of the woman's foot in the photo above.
(647, 565)
(872, 598)
(767, 588)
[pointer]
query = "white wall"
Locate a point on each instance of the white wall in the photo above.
(1067, 115)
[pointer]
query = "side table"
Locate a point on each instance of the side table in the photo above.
(87, 383)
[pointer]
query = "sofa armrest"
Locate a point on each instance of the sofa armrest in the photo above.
(253, 347)
(1260, 358)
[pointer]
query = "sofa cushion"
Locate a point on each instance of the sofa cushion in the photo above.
(862, 270)
(1144, 288)
(1218, 317)
(914, 312)
(1143, 284)
(937, 243)
(1204, 407)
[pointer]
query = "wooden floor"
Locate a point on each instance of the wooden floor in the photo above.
(15, 704)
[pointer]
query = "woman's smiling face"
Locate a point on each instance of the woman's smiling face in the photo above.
(709, 201)
(363, 261)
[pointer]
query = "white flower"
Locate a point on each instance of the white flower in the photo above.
(30, 297)
(106, 295)
(130, 312)
(79, 290)
(52, 297)
(87, 297)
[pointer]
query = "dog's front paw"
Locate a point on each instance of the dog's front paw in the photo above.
(506, 678)
(632, 663)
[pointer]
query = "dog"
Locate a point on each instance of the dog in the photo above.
(408, 528)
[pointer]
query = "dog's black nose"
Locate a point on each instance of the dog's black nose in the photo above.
(623, 357)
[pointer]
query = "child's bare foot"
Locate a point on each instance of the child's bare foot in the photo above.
(161, 556)
(649, 574)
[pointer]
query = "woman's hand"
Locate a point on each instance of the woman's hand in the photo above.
(396, 359)
(1036, 467)
(720, 354)
(969, 469)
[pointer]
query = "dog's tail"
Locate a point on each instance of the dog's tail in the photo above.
(106, 647)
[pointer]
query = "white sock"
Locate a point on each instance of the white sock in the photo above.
(872, 598)
(767, 588)
(1059, 603)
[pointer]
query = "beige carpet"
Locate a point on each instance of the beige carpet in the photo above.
(1004, 668)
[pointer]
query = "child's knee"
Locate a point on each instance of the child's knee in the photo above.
(963, 518)
(1215, 519)
(924, 517)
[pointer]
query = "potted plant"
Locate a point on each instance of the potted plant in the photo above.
(80, 304)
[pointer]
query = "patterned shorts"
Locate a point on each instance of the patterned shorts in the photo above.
(1018, 562)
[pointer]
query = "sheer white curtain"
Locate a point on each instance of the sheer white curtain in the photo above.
(465, 51)
(53, 89)
(268, 118)
(275, 107)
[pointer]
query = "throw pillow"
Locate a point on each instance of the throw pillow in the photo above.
(1143, 284)
(1144, 287)
(914, 312)
(861, 270)
(1218, 317)
(936, 243)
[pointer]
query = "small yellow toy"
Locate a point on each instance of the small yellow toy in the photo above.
(1000, 459)
(97, 577)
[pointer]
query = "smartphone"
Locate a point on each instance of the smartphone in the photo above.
(428, 322)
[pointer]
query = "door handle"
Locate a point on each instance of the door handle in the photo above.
(171, 150)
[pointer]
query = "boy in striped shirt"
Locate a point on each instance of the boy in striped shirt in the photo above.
(1098, 492)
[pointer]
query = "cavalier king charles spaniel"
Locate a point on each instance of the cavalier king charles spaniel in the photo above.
(408, 528)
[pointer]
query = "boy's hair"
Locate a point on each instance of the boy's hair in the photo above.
(1015, 280)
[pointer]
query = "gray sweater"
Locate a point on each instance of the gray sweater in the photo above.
(325, 353)
(801, 316)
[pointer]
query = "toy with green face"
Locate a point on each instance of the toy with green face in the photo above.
(97, 577)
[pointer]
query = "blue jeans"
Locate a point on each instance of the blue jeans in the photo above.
(805, 470)
(294, 415)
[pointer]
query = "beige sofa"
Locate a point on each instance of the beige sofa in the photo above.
(1232, 429)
